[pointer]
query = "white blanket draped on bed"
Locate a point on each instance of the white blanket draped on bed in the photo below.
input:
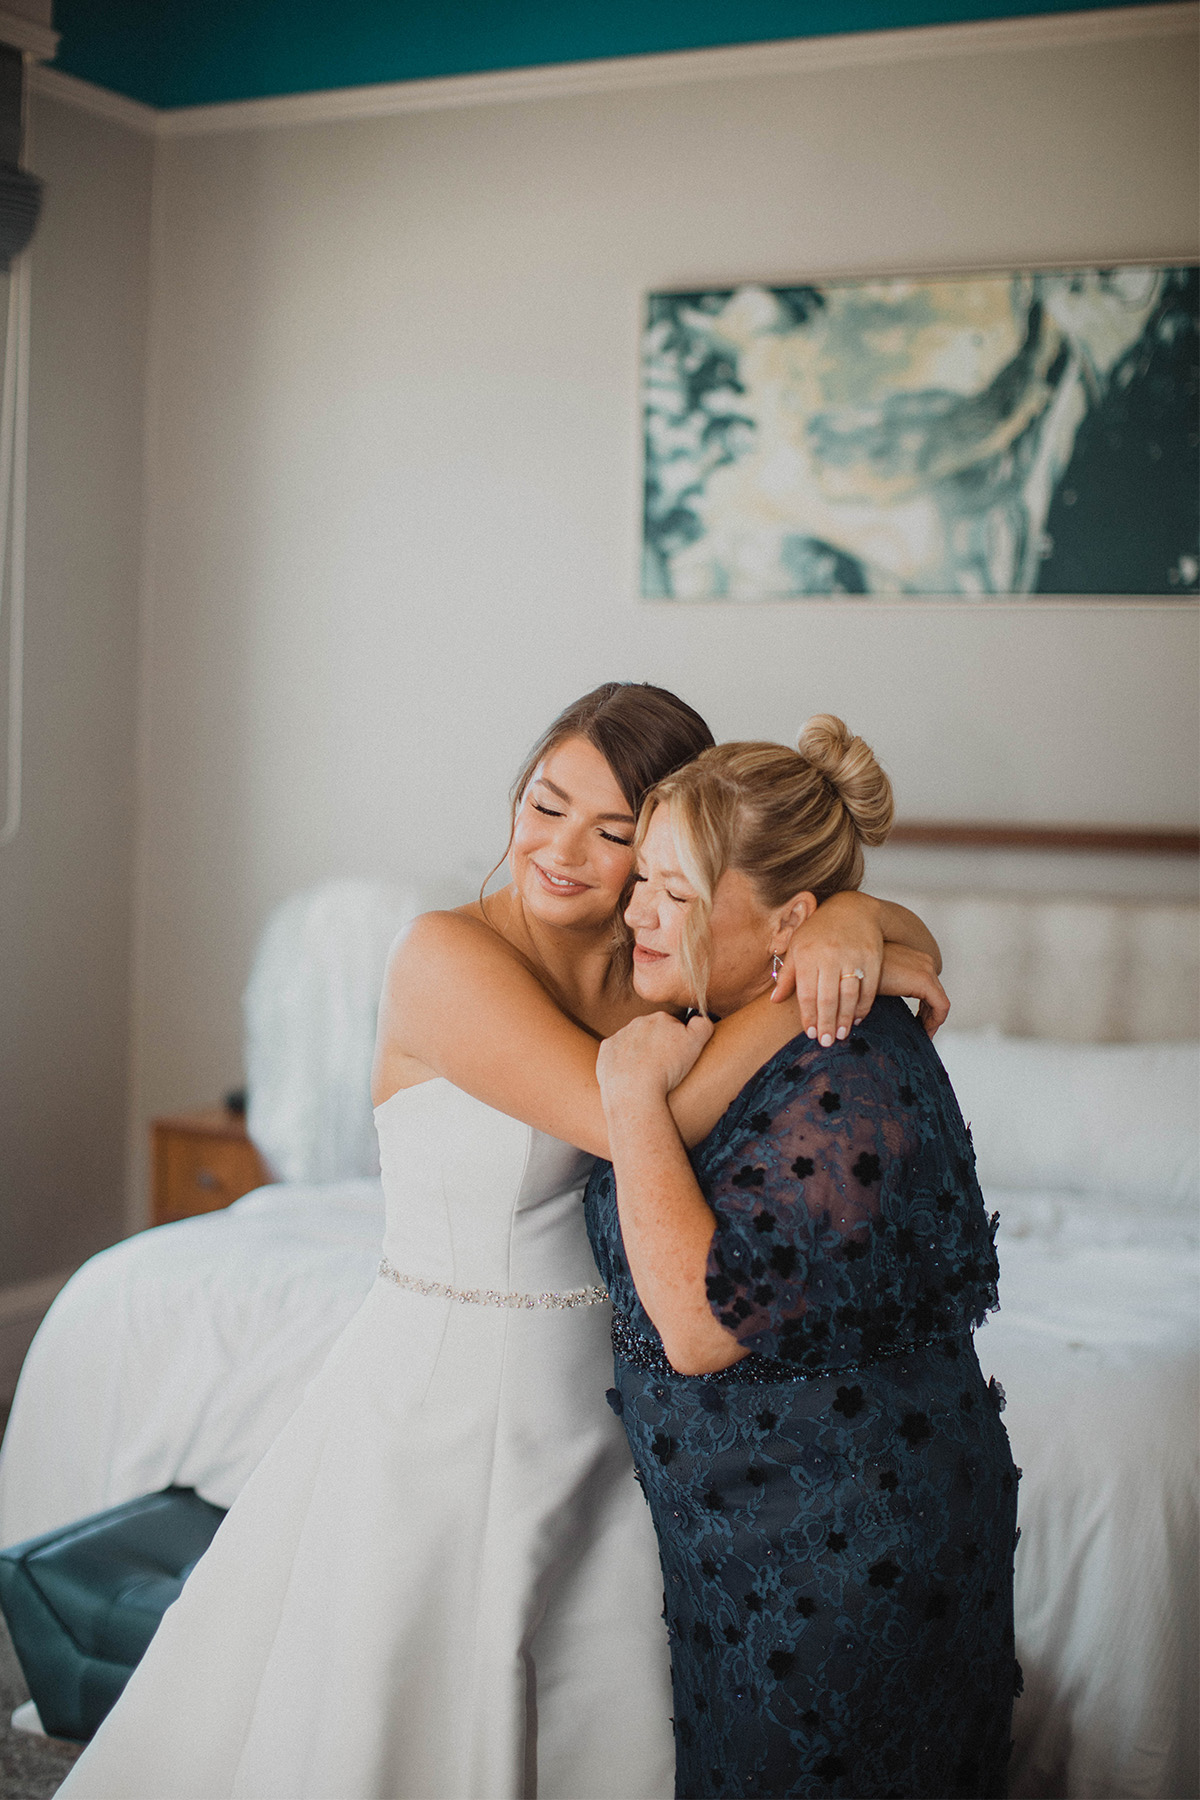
(178, 1355)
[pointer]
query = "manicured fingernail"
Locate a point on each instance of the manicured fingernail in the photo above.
(812, 1031)
(826, 1040)
(843, 1031)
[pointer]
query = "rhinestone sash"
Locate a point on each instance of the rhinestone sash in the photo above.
(441, 1290)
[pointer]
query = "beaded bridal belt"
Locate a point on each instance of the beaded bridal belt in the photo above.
(441, 1290)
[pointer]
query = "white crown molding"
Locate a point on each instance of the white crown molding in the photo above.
(52, 84)
(36, 40)
(787, 56)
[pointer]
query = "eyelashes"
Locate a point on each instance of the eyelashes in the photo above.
(679, 899)
(548, 812)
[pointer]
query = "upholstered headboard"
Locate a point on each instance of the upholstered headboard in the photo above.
(1079, 969)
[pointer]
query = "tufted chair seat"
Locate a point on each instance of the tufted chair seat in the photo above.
(83, 1602)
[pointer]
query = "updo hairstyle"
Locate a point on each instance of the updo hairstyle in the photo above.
(792, 821)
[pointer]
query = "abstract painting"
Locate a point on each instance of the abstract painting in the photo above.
(961, 436)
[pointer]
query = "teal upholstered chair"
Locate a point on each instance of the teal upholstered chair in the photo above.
(83, 1602)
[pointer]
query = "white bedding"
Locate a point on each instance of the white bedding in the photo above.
(1097, 1347)
(177, 1355)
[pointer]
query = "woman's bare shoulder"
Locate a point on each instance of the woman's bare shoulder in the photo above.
(445, 944)
(460, 1001)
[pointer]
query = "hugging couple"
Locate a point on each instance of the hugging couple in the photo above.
(443, 1581)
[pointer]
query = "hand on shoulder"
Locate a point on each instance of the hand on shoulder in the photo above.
(650, 1055)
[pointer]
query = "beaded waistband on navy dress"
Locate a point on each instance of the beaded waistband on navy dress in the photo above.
(632, 1346)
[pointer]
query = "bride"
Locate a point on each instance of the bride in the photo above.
(441, 1583)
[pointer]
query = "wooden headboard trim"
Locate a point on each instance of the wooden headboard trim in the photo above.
(949, 835)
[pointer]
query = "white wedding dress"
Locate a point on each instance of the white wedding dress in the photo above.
(441, 1582)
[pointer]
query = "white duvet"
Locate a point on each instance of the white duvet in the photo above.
(177, 1355)
(1096, 1345)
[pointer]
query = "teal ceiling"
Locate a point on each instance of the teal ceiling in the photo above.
(191, 52)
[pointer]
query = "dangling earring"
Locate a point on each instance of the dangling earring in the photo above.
(776, 965)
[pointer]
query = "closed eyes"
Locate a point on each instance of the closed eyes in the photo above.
(549, 813)
(679, 899)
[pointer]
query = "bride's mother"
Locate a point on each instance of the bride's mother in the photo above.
(830, 1481)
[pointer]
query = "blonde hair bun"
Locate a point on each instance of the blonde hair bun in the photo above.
(848, 764)
(793, 821)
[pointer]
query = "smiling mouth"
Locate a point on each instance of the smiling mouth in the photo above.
(559, 884)
(645, 956)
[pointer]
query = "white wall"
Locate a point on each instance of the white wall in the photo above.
(66, 880)
(394, 484)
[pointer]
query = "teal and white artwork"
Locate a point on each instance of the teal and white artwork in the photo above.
(963, 436)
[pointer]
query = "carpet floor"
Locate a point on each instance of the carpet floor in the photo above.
(31, 1768)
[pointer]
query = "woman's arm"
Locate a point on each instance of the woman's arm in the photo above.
(742, 1043)
(911, 975)
(458, 1003)
(854, 929)
(666, 1224)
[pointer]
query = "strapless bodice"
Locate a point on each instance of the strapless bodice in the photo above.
(478, 1200)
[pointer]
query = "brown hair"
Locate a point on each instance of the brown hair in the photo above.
(644, 733)
(792, 821)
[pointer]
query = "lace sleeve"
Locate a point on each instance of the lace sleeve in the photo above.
(806, 1189)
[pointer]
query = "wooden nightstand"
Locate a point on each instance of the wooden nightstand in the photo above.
(200, 1162)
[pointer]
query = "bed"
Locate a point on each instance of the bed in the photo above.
(1089, 1155)
(176, 1355)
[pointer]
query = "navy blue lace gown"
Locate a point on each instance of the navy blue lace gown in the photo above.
(836, 1512)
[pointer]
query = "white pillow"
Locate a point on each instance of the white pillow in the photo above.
(1119, 1119)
